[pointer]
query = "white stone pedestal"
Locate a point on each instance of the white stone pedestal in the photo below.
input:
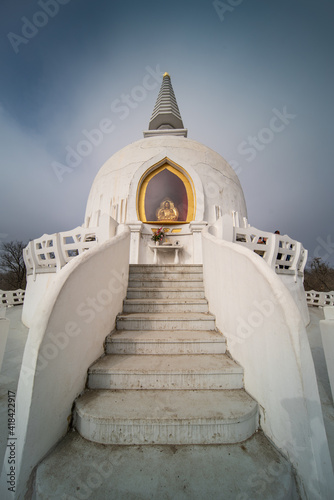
(166, 248)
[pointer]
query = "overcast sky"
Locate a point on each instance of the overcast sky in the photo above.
(234, 65)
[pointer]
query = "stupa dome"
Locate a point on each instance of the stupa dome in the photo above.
(165, 167)
(212, 183)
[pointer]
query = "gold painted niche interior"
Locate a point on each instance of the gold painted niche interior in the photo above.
(165, 182)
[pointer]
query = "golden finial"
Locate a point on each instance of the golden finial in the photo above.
(166, 74)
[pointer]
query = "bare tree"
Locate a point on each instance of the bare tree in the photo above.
(319, 277)
(12, 265)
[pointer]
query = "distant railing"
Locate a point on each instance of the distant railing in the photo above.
(320, 299)
(51, 252)
(282, 253)
(12, 297)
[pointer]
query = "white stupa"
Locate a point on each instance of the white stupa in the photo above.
(134, 183)
(195, 339)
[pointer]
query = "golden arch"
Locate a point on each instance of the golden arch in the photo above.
(182, 178)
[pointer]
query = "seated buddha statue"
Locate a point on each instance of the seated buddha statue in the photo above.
(167, 211)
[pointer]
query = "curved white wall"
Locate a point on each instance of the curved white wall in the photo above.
(35, 291)
(265, 333)
(66, 337)
(296, 288)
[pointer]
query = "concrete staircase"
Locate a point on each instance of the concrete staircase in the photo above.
(165, 377)
(171, 407)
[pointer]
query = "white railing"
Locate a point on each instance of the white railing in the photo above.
(280, 252)
(283, 254)
(12, 297)
(51, 252)
(320, 299)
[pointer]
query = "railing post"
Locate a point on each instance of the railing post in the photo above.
(236, 219)
(303, 262)
(227, 227)
(196, 228)
(107, 228)
(135, 229)
(271, 250)
(58, 246)
(33, 258)
(295, 262)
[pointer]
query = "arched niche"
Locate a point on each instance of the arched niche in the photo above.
(165, 194)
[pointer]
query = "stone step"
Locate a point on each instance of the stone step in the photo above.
(162, 283)
(168, 268)
(166, 321)
(205, 371)
(164, 275)
(166, 417)
(165, 305)
(78, 468)
(166, 342)
(165, 293)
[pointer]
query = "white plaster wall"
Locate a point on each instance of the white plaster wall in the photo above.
(66, 337)
(266, 335)
(116, 183)
(35, 291)
(297, 290)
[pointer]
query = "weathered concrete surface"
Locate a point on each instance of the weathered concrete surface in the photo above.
(166, 417)
(167, 480)
(246, 471)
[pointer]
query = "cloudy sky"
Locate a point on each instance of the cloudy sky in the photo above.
(236, 67)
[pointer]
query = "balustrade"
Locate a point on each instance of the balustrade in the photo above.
(321, 299)
(51, 252)
(282, 253)
(12, 297)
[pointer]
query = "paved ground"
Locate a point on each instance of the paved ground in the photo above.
(314, 335)
(10, 369)
(229, 472)
(150, 466)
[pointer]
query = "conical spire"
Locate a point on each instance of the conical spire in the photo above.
(166, 118)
